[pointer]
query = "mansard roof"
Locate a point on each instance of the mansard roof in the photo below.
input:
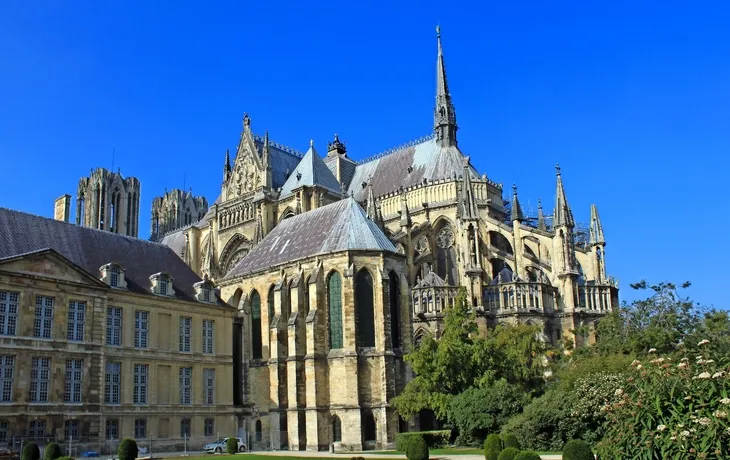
(340, 226)
(310, 171)
(407, 166)
(89, 248)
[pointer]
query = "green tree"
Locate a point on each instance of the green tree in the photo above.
(31, 452)
(53, 451)
(127, 449)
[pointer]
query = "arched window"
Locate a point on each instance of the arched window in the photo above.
(334, 305)
(394, 289)
(336, 429)
(259, 431)
(256, 339)
(364, 309)
(370, 431)
(270, 301)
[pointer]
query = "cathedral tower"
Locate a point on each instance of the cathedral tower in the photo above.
(175, 209)
(107, 201)
(444, 114)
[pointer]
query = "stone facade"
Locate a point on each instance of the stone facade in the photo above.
(100, 354)
(107, 201)
(174, 210)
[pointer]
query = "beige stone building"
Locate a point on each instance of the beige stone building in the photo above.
(434, 224)
(104, 336)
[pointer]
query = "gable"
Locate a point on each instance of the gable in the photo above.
(49, 264)
(247, 173)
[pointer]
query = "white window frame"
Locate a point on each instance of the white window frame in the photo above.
(37, 428)
(43, 321)
(76, 320)
(7, 371)
(141, 380)
(186, 333)
(208, 336)
(74, 381)
(186, 385)
(209, 386)
(9, 312)
(112, 428)
(141, 328)
(114, 277)
(113, 383)
(140, 428)
(71, 429)
(114, 322)
(40, 379)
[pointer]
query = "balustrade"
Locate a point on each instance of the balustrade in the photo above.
(520, 295)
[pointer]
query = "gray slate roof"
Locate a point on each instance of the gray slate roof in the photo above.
(282, 163)
(339, 226)
(313, 172)
(389, 172)
(22, 233)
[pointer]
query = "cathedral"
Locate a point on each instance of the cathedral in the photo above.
(297, 293)
(338, 267)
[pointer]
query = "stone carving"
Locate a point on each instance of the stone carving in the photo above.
(445, 238)
(422, 246)
(235, 258)
(245, 177)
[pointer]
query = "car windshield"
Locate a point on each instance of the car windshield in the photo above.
(221, 440)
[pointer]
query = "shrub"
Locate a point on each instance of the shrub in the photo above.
(668, 407)
(577, 450)
(357, 458)
(232, 445)
(510, 440)
(479, 411)
(492, 447)
(417, 449)
(509, 453)
(31, 452)
(127, 449)
(527, 456)
(434, 439)
(52, 452)
(66, 458)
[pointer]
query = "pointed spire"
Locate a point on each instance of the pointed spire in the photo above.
(258, 233)
(516, 208)
(265, 147)
(562, 216)
(372, 212)
(209, 262)
(596, 227)
(444, 113)
(227, 166)
(540, 217)
(405, 216)
(468, 209)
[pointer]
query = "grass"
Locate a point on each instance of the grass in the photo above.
(448, 451)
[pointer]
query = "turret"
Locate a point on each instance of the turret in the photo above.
(598, 245)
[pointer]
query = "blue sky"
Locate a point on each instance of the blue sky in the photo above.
(631, 98)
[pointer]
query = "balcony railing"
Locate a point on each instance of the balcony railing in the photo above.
(595, 298)
(520, 295)
(433, 300)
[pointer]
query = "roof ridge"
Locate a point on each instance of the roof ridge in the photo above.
(387, 152)
(281, 147)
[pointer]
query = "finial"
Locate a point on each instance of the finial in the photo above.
(514, 189)
(337, 138)
(557, 169)
(246, 119)
(539, 204)
(438, 31)
(311, 142)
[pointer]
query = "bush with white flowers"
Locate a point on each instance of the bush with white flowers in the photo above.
(669, 408)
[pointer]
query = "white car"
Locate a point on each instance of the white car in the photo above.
(220, 446)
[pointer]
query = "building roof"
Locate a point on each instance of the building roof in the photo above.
(340, 226)
(283, 161)
(90, 249)
(408, 166)
(310, 171)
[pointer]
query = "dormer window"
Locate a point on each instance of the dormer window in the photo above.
(113, 275)
(205, 291)
(162, 284)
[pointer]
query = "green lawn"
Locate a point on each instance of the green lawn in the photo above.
(447, 452)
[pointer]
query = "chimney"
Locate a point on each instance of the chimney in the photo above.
(62, 208)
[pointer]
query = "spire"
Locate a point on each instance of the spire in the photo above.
(258, 233)
(227, 166)
(372, 212)
(444, 113)
(596, 227)
(516, 208)
(540, 217)
(209, 263)
(563, 216)
(467, 200)
(405, 216)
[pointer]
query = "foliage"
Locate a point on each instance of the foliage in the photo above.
(671, 408)
(231, 445)
(463, 358)
(479, 411)
(127, 449)
(52, 452)
(492, 447)
(417, 449)
(527, 456)
(509, 453)
(510, 440)
(31, 452)
(434, 439)
(66, 458)
(577, 450)
(357, 458)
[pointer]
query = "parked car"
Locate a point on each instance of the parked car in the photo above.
(219, 446)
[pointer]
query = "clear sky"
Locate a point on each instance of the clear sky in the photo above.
(632, 98)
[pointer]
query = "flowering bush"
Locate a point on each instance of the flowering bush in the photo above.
(670, 408)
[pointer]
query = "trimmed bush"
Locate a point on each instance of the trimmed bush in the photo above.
(527, 456)
(417, 449)
(577, 450)
(31, 452)
(509, 453)
(231, 445)
(492, 447)
(357, 458)
(434, 439)
(66, 458)
(127, 449)
(510, 440)
(52, 452)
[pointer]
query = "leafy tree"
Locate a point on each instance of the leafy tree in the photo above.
(232, 445)
(53, 451)
(479, 411)
(127, 449)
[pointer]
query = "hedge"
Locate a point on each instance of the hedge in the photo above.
(510, 440)
(527, 456)
(232, 445)
(31, 452)
(52, 452)
(577, 450)
(434, 439)
(127, 449)
(509, 453)
(417, 449)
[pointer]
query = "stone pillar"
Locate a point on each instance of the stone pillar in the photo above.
(315, 368)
